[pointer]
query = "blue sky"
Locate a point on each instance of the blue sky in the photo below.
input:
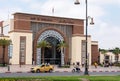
(105, 13)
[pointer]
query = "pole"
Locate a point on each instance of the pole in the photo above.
(3, 55)
(86, 58)
(9, 59)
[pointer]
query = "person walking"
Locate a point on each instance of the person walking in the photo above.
(110, 64)
(95, 64)
(82, 64)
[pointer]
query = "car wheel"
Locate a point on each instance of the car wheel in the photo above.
(37, 71)
(50, 70)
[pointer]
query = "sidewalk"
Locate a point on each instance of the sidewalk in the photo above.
(26, 68)
(91, 69)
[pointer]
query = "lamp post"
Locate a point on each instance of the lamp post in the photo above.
(86, 39)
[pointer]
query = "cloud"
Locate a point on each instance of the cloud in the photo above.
(106, 34)
(103, 31)
(110, 38)
(68, 9)
(26, 1)
(96, 11)
(58, 5)
(36, 6)
(7, 13)
(64, 8)
(104, 2)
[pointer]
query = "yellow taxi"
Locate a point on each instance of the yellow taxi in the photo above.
(42, 68)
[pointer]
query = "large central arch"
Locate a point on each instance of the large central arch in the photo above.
(44, 36)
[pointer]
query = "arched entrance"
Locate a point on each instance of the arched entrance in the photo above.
(52, 55)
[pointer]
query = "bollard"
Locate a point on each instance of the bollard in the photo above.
(8, 67)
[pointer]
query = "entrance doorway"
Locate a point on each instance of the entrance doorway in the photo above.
(52, 55)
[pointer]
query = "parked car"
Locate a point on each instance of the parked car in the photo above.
(42, 68)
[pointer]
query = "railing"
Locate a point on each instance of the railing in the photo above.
(52, 60)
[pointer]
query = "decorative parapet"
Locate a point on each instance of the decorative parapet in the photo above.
(94, 42)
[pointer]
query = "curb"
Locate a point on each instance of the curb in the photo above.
(8, 72)
(57, 71)
(61, 71)
(19, 72)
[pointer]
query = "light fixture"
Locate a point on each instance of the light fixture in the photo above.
(77, 2)
(92, 22)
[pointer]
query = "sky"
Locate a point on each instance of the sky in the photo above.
(106, 29)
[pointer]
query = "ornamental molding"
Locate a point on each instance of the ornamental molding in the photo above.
(50, 33)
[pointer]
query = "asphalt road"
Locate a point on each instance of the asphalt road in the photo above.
(58, 74)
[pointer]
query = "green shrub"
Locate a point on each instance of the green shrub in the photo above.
(1, 65)
(117, 64)
(65, 66)
(101, 65)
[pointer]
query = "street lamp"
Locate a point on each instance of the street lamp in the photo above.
(87, 17)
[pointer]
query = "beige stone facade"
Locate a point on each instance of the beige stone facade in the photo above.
(15, 37)
(109, 57)
(77, 49)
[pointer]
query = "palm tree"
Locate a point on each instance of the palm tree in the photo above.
(43, 44)
(116, 51)
(61, 47)
(103, 51)
(4, 43)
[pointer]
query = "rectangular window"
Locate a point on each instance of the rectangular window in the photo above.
(83, 51)
(22, 49)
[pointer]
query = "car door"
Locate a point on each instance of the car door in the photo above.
(47, 68)
(42, 68)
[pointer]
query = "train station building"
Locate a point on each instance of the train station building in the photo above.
(27, 30)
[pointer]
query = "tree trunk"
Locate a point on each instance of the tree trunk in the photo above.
(43, 55)
(3, 55)
(117, 57)
(62, 57)
(104, 61)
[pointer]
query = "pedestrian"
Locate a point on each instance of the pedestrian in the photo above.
(95, 64)
(111, 64)
(82, 64)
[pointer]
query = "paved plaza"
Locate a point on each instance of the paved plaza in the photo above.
(26, 68)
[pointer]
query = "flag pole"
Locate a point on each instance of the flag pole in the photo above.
(53, 11)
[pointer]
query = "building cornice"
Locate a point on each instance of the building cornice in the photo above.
(81, 35)
(21, 31)
(48, 19)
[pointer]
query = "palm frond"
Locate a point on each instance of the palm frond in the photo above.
(62, 44)
(43, 44)
(4, 42)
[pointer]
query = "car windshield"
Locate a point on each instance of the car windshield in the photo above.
(40, 65)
